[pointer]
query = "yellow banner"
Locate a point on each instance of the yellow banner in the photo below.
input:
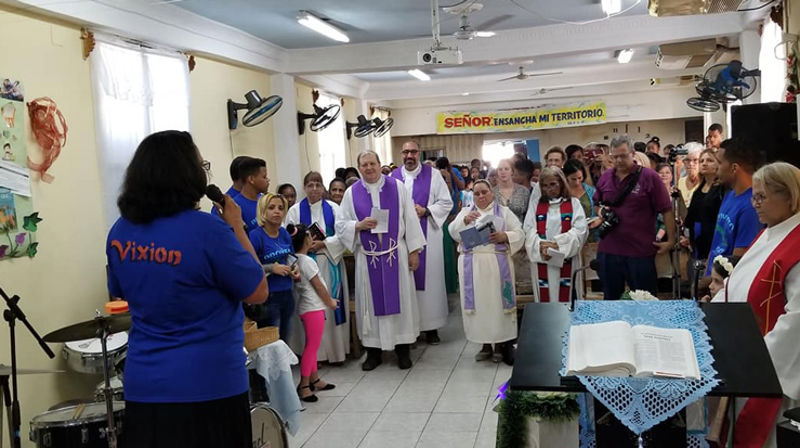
(522, 119)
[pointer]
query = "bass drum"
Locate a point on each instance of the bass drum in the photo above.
(268, 429)
(80, 426)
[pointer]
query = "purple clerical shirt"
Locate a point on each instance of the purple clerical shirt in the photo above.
(636, 232)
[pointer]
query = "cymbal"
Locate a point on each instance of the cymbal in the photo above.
(88, 329)
(6, 371)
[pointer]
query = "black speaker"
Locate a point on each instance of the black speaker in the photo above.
(771, 126)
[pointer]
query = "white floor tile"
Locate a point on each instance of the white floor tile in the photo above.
(461, 403)
(390, 440)
(401, 422)
(446, 439)
(454, 422)
(324, 404)
(334, 439)
(350, 422)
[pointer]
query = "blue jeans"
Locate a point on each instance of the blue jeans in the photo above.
(616, 270)
(278, 312)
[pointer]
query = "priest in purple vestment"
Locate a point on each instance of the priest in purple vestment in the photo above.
(378, 222)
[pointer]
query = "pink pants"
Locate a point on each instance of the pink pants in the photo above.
(314, 323)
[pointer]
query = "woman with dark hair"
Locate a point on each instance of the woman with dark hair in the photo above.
(327, 250)
(184, 274)
(578, 188)
(336, 190)
(289, 193)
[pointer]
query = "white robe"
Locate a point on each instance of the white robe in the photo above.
(489, 323)
(335, 338)
(384, 331)
(570, 243)
(782, 340)
(433, 300)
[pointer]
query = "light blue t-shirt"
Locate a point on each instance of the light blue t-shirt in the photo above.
(737, 226)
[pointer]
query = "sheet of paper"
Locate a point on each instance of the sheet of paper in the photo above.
(556, 257)
(15, 178)
(382, 216)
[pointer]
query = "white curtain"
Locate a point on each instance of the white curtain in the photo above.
(772, 63)
(136, 92)
(383, 144)
(331, 141)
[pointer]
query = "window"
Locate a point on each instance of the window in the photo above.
(136, 92)
(383, 144)
(331, 140)
(771, 61)
(497, 151)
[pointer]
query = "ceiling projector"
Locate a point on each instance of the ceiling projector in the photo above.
(451, 56)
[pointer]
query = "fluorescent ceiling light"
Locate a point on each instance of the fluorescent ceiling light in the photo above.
(322, 27)
(611, 6)
(624, 56)
(465, 94)
(484, 33)
(419, 74)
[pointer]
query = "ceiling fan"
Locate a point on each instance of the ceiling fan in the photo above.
(523, 76)
(544, 90)
(465, 29)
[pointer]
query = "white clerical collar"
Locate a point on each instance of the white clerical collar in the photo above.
(414, 172)
(488, 208)
(317, 204)
(782, 229)
(556, 201)
(375, 186)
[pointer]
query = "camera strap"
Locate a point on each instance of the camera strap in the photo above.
(628, 188)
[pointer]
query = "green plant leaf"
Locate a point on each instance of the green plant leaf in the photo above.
(32, 249)
(31, 221)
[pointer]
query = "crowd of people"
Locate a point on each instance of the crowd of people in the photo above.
(426, 228)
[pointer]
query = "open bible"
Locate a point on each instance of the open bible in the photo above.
(618, 349)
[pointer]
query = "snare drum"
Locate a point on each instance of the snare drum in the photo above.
(81, 426)
(268, 429)
(86, 356)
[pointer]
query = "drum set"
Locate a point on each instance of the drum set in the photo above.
(99, 346)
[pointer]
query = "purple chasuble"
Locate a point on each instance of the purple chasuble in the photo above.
(383, 264)
(506, 284)
(421, 192)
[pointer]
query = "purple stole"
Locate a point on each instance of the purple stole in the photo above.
(506, 283)
(382, 261)
(335, 270)
(421, 193)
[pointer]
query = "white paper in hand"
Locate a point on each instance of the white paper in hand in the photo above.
(382, 216)
(556, 258)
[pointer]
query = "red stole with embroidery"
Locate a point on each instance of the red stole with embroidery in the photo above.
(768, 301)
(566, 269)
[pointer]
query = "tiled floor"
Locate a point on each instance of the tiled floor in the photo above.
(444, 400)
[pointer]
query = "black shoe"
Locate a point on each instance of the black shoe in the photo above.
(508, 353)
(432, 337)
(373, 359)
(403, 356)
(328, 386)
(308, 399)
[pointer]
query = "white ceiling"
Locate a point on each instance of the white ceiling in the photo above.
(385, 20)
(387, 35)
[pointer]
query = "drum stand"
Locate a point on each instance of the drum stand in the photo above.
(11, 315)
(111, 431)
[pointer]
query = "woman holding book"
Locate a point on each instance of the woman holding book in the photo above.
(558, 235)
(768, 278)
(486, 273)
(327, 251)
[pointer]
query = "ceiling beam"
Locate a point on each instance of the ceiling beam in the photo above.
(588, 75)
(560, 39)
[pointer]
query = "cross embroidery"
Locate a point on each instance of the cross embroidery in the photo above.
(774, 291)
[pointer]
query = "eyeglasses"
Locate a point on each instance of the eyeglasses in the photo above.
(411, 152)
(690, 160)
(206, 165)
(757, 199)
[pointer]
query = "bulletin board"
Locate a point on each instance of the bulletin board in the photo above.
(18, 221)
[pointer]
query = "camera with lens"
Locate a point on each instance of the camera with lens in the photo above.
(676, 152)
(610, 221)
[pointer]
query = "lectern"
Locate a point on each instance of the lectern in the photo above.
(740, 355)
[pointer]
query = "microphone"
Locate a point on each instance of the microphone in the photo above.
(593, 265)
(215, 194)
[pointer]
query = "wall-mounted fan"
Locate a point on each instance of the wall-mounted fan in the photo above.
(323, 117)
(723, 84)
(363, 127)
(382, 126)
(258, 109)
(523, 76)
(545, 90)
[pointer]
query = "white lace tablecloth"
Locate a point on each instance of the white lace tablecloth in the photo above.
(274, 362)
